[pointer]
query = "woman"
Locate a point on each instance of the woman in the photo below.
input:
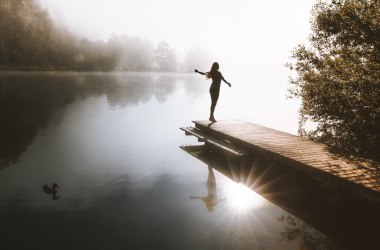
(216, 77)
(211, 200)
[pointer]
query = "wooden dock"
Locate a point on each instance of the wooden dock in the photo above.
(356, 177)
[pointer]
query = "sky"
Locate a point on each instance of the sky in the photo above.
(241, 33)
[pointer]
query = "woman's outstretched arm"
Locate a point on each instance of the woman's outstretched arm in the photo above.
(197, 71)
(224, 80)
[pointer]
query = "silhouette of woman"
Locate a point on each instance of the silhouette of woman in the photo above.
(211, 200)
(216, 77)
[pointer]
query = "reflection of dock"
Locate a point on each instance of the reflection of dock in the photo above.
(242, 138)
(352, 222)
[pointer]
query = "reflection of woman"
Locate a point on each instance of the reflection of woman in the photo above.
(216, 77)
(211, 200)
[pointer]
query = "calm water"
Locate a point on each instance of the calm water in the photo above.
(111, 144)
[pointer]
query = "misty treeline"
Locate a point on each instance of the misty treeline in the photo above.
(29, 39)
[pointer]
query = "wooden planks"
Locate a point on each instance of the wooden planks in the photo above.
(309, 156)
(217, 143)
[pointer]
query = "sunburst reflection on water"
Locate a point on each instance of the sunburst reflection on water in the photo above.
(241, 198)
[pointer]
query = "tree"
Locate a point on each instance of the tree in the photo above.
(135, 53)
(164, 58)
(30, 39)
(338, 76)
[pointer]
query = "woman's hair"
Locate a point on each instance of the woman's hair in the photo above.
(213, 70)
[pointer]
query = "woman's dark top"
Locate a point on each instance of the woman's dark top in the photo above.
(216, 80)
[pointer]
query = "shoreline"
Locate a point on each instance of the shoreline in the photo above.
(73, 69)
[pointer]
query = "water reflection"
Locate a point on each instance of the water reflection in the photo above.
(211, 200)
(313, 212)
(115, 214)
(126, 185)
(311, 239)
(241, 198)
(29, 101)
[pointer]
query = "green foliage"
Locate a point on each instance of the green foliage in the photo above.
(338, 76)
(29, 39)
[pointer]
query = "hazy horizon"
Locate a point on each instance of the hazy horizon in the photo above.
(242, 35)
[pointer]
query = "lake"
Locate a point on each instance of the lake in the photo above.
(92, 161)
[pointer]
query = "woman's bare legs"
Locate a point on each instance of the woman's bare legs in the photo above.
(214, 93)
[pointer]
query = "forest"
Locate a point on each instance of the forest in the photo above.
(31, 40)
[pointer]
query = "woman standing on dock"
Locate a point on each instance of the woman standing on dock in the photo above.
(216, 77)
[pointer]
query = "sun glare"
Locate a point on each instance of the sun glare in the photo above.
(241, 198)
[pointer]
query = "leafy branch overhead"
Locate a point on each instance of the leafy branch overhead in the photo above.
(338, 76)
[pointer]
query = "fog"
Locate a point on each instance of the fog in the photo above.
(242, 35)
(251, 40)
